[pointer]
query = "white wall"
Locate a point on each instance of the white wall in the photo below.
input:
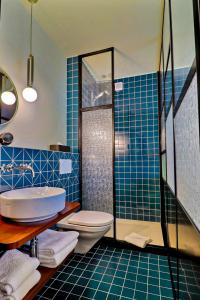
(43, 123)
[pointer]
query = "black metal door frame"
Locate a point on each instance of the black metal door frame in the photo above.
(108, 106)
(195, 68)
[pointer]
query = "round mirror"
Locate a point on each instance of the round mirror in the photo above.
(8, 98)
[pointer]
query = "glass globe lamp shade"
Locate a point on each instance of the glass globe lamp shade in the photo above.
(8, 98)
(29, 94)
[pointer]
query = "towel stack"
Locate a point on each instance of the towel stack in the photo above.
(18, 275)
(55, 246)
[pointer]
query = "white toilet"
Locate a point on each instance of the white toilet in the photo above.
(91, 225)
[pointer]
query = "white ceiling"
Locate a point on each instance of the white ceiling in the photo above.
(133, 27)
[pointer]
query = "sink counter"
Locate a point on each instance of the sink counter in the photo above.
(13, 235)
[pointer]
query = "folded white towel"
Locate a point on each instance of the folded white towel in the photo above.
(138, 240)
(51, 242)
(24, 288)
(57, 259)
(15, 266)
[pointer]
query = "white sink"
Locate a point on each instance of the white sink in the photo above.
(32, 204)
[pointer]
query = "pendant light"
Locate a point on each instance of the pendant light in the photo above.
(29, 93)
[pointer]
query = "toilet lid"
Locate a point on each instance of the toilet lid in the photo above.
(91, 218)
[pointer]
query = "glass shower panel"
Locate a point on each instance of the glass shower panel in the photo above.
(97, 83)
(162, 76)
(188, 154)
(164, 166)
(170, 149)
(184, 43)
(97, 160)
(163, 144)
(168, 86)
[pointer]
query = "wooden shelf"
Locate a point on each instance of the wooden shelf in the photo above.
(46, 275)
(13, 235)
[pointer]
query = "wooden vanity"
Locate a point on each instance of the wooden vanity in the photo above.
(13, 235)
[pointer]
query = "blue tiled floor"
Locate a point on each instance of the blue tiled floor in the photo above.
(189, 279)
(110, 273)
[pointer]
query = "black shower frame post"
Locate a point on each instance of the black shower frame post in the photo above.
(113, 138)
(195, 68)
(80, 125)
(80, 58)
(165, 116)
(162, 105)
(174, 143)
(160, 108)
(196, 14)
(162, 195)
(165, 198)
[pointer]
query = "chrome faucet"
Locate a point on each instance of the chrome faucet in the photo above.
(22, 167)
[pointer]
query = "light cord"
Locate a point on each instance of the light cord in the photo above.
(31, 28)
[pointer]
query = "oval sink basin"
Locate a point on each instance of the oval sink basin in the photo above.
(32, 204)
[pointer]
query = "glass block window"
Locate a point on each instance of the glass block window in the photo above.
(97, 160)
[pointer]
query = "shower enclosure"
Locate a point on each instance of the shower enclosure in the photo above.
(119, 146)
(96, 123)
(139, 144)
(131, 128)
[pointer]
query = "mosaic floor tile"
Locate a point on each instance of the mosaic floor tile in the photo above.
(107, 273)
(189, 280)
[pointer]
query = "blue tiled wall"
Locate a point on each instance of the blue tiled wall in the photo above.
(72, 103)
(137, 143)
(46, 167)
(137, 149)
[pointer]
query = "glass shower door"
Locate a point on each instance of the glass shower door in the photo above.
(97, 131)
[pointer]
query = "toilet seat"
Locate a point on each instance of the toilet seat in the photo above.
(91, 218)
(66, 225)
(74, 222)
(91, 225)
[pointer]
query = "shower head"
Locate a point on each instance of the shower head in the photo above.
(100, 95)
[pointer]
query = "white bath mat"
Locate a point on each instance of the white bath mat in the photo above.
(138, 240)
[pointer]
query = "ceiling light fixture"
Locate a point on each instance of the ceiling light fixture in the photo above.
(29, 93)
